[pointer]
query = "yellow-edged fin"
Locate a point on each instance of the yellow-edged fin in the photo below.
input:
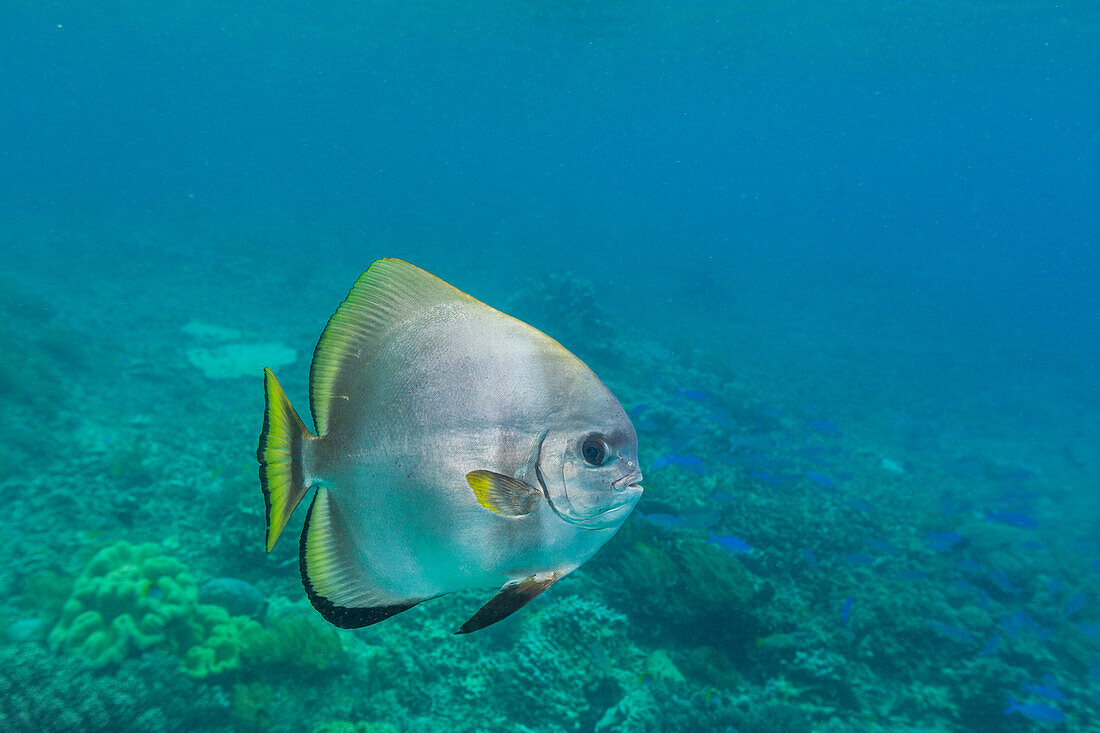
(504, 495)
(333, 578)
(282, 477)
(389, 294)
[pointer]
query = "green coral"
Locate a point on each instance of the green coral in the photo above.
(251, 705)
(131, 598)
(688, 582)
(300, 642)
(224, 647)
(715, 581)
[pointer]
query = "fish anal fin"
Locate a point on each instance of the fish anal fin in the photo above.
(356, 618)
(503, 495)
(511, 597)
(334, 581)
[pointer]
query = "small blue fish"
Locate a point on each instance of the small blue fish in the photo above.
(638, 409)
(1002, 583)
(823, 426)
(861, 559)
(598, 654)
(809, 556)
(1037, 713)
(846, 610)
(766, 477)
(733, 545)
(821, 480)
(1012, 519)
(1048, 688)
(1075, 604)
(697, 395)
(942, 541)
(911, 575)
(991, 646)
(954, 633)
(721, 497)
(1019, 622)
(689, 462)
(884, 547)
(661, 520)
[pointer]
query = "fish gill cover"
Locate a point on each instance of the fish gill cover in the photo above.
(836, 261)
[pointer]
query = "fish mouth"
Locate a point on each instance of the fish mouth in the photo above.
(630, 481)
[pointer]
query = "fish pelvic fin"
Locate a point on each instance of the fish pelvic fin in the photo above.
(503, 495)
(282, 475)
(512, 596)
(333, 578)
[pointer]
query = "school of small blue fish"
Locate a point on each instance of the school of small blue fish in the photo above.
(768, 465)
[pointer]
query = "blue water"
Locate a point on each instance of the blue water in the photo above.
(839, 262)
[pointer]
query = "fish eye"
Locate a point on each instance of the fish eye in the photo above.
(595, 450)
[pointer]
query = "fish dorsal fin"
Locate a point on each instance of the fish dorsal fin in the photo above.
(503, 495)
(391, 292)
(334, 580)
(512, 597)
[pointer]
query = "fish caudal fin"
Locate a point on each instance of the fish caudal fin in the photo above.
(333, 578)
(282, 474)
(512, 597)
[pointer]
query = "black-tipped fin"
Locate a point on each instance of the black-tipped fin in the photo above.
(504, 495)
(512, 597)
(334, 580)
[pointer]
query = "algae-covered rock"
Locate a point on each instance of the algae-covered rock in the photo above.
(637, 712)
(230, 361)
(659, 666)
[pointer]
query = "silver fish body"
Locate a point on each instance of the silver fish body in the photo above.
(458, 448)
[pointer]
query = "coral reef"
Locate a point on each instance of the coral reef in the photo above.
(130, 598)
(788, 570)
(40, 691)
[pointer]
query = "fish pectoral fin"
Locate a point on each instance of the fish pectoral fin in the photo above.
(334, 580)
(512, 597)
(503, 495)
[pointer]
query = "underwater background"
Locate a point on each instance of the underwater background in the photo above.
(838, 260)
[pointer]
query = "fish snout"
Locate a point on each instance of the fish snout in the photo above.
(630, 481)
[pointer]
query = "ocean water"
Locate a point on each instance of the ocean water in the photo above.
(839, 262)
